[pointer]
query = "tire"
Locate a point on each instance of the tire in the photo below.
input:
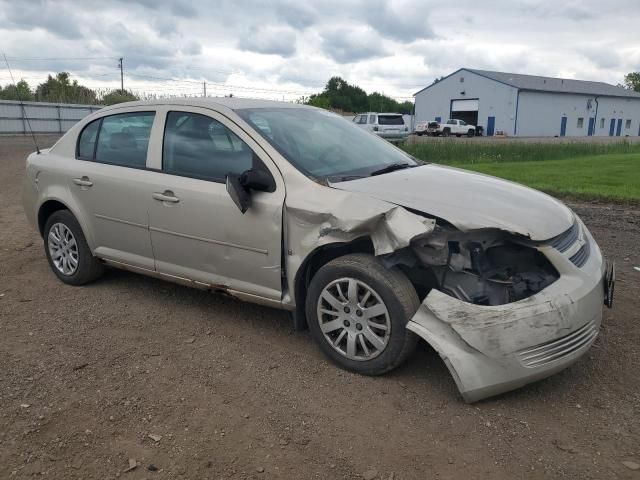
(419, 134)
(389, 287)
(87, 268)
(446, 132)
(471, 133)
(458, 135)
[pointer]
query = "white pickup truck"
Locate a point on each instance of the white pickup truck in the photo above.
(451, 127)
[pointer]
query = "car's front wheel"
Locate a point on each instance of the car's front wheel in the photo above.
(470, 133)
(357, 311)
(67, 251)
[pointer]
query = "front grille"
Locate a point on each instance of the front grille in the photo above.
(554, 350)
(568, 239)
(564, 241)
(581, 256)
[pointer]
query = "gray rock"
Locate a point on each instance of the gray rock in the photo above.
(631, 465)
(370, 474)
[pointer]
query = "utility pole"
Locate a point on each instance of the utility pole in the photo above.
(204, 89)
(121, 75)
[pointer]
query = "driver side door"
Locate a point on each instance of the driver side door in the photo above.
(198, 234)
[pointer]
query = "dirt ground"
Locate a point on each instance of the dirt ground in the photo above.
(195, 385)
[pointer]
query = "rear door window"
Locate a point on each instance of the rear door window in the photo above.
(372, 119)
(123, 139)
(390, 120)
(200, 147)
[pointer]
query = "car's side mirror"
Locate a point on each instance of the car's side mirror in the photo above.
(239, 186)
(238, 193)
(258, 180)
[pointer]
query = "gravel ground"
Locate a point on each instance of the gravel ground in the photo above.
(186, 384)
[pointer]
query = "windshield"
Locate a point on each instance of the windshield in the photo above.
(322, 144)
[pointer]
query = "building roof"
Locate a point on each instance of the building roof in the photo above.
(551, 84)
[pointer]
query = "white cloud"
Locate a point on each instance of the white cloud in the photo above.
(393, 46)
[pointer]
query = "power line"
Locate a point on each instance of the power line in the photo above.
(38, 59)
(222, 85)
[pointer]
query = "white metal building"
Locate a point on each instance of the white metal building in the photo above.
(530, 106)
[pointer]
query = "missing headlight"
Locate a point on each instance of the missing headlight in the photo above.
(486, 267)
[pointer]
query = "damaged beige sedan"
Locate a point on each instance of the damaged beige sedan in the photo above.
(295, 207)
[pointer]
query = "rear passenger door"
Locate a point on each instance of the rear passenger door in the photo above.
(108, 181)
(197, 232)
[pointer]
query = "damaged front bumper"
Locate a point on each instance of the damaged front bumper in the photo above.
(493, 349)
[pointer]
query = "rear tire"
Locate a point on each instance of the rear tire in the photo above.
(67, 251)
(446, 132)
(470, 133)
(379, 341)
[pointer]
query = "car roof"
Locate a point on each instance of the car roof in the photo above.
(380, 113)
(232, 103)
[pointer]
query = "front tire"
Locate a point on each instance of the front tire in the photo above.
(67, 251)
(470, 133)
(357, 312)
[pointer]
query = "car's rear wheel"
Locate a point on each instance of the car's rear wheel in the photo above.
(446, 132)
(357, 312)
(67, 251)
(470, 133)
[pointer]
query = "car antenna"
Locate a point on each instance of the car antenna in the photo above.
(24, 112)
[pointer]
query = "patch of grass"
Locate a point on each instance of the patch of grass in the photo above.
(452, 151)
(602, 177)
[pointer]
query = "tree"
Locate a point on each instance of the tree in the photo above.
(20, 91)
(632, 81)
(118, 96)
(60, 89)
(338, 94)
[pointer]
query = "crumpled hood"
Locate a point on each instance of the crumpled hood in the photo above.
(469, 200)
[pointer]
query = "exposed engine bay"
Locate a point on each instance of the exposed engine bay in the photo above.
(483, 267)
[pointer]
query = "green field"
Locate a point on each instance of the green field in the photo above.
(585, 171)
(600, 177)
(452, 151)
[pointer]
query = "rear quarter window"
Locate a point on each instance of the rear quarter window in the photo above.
(87, 141)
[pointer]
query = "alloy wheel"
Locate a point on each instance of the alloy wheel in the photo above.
(63, 249)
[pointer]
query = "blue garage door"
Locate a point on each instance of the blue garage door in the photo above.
(619, 129)
(612, 127)
(592, 126)
(563, 126)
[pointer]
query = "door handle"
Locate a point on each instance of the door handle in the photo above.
(166, 196)
(83, 182)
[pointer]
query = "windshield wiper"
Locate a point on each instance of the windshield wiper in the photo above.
(343, 178)
(392, 168)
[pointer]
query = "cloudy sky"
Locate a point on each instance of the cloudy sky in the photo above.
(289, 48)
